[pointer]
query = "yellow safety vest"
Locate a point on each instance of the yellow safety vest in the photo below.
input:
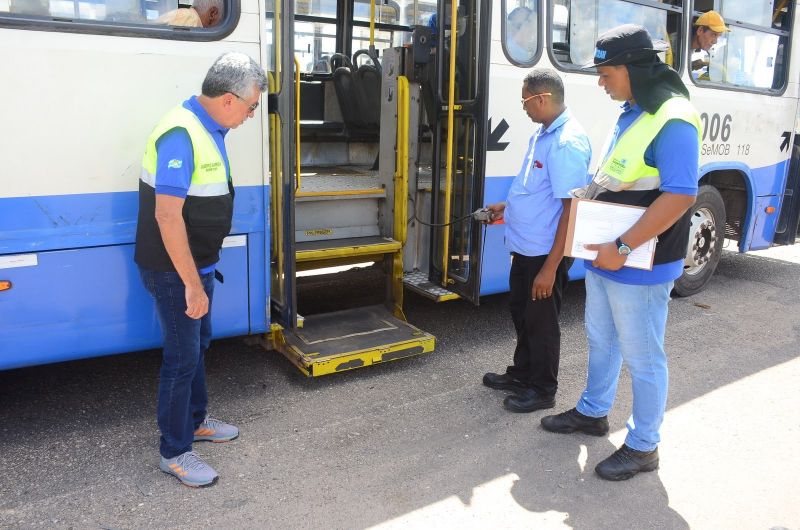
(624, 168)
(208, 209)
(209, 177)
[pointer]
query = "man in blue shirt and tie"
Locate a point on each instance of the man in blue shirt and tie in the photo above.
(535, 214)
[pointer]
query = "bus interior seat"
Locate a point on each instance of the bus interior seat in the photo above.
(348, 94)
(369, 80)
(358, 93)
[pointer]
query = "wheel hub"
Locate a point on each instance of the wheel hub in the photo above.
(702, 236)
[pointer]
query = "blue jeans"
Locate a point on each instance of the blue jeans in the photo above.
(182, 396)
(627, 323)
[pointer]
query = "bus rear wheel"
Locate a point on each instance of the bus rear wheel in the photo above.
(706, 235)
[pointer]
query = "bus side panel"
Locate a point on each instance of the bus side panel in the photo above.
(72, 304)
(258, 274)
(771, 182)
(496, 260)
(89, 300)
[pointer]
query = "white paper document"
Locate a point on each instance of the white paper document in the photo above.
(601, 222)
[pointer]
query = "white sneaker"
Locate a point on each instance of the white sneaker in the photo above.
(212, 430)
(190, 470)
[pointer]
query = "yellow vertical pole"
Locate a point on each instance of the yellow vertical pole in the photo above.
(400, 191)
(371, 25)
(451, 96)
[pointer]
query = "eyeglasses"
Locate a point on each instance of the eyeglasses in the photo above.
(250, 108)
(525, 100)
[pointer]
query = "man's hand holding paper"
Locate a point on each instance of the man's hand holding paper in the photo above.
(593, 227)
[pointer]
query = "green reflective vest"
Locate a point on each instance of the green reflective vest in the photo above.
(208, 208)
(210, 176)
(625, 169)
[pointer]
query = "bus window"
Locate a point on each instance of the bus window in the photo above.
(134, 16)
(134, 11)
(390, 31)
(576, 24)
(314, 43)
(399, 12)
(521, 31)
(753, 54)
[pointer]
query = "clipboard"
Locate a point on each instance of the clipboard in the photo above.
(600, 222)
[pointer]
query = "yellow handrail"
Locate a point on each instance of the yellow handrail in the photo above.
(278, 47)
(297, 122)
(371, 25)
(451, 96)
(401, 191)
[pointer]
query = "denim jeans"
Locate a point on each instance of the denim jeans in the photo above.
(182, 396)
(627, 323)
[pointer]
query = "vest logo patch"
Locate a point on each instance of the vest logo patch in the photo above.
(617, 165)
(175, 164)
(210, 166)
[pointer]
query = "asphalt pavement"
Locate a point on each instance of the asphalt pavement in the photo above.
(420, 443)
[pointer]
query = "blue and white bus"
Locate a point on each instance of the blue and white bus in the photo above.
(364, 152)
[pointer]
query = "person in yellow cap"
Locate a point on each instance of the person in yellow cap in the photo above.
(708, 28)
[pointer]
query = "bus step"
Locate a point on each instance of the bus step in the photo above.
(332, 249)
(339, 183)
(353, 338)
(418, 282)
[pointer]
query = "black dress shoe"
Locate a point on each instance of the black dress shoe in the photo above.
(572, 420)
(504, 382)
(626, 462)
(528, 401)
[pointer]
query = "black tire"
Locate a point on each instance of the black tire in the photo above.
(706, 236)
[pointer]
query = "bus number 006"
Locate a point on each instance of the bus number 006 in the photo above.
(717, 127)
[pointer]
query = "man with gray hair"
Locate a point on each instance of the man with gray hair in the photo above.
(202, 14)
(185, 211)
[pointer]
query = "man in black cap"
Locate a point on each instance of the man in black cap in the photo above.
(652, 161)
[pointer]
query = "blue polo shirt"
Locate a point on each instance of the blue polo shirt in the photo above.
(675, 152)
(557, 160)
(176, 156)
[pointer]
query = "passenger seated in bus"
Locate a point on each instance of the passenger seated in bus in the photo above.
(521, 35)
(708, 28)
(202, 14)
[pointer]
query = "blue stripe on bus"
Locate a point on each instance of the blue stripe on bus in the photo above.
(765, 187)
(39, 223)
(72, 303)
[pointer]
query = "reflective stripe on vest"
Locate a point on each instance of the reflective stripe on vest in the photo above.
(210, 177)
(625, 169)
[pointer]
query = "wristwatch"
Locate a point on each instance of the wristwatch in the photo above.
(622, 248)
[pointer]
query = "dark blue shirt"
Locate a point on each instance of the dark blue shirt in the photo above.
(674, 152)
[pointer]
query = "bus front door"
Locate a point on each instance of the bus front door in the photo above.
(458, 126)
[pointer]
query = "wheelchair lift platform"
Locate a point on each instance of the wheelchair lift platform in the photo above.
(353, 338)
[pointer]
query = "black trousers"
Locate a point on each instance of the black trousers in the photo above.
(536, 321)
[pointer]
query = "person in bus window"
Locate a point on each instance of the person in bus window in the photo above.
(651, 161)
(185, 212)
(708, 28)
(202, 14)
(521, 34)
(536, 212)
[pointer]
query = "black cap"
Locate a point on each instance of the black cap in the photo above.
(623, 45)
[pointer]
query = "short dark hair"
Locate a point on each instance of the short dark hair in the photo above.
(541, 80)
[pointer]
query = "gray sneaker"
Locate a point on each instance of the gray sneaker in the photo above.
(212, 430)
(190, 470)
